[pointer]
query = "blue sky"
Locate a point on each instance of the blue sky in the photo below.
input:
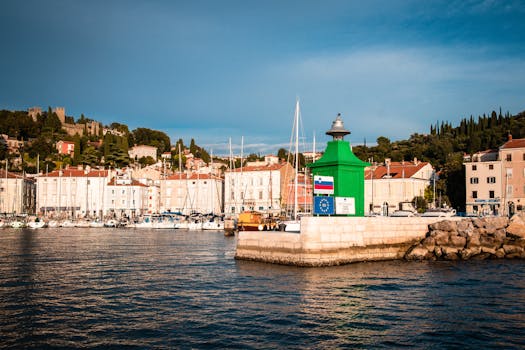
(212, 70)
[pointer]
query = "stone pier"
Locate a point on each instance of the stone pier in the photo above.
(329, 241)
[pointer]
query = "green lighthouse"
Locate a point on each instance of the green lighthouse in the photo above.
(347, 171)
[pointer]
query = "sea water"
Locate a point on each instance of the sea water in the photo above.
(149, 289)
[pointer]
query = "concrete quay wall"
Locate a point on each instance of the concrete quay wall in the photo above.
(328, 241)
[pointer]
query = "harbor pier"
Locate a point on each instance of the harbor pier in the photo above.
(330, 241)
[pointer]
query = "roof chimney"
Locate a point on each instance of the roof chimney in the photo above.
(510, 136)
(387, 163)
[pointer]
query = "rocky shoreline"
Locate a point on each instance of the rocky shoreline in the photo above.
(472, 238)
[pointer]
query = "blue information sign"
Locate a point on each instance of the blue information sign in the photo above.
(324, 205)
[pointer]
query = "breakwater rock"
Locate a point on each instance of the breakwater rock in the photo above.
(472, 238)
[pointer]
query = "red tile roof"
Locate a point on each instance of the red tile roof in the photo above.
(10, 175)
(517, 143)
(398, 170)
(261, 167)
(72, 172)
(193, 176)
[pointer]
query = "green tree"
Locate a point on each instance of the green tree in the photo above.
(77, 154)
(3, 150)
(90, 156)
(282, 154)
(146, 161)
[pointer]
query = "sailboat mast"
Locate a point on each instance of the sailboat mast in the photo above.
(296, 157)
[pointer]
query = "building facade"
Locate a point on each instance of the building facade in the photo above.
(260, 188)
(128, 198)
(495, 180)
(189, 193)
(393, 185)
(73, 192)
(137, 152)
(17, 194)
(66, 147)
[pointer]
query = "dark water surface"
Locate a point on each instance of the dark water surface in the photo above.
(113, 288)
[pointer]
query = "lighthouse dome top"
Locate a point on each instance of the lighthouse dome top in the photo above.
(338, 130)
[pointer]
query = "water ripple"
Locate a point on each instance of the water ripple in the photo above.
(136, 289)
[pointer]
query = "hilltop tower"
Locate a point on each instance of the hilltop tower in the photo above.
(61, 113)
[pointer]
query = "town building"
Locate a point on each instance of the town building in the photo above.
(142, 151)
(129, 198)
(13, 145)
(261, 188)
(394, 185)
(80, 192)
(189, 193)
(73, 192)
(17, 194)
(65, 147)
(495, 180)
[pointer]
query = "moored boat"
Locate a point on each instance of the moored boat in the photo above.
(82, 223)
(17, 224)
(67, 223)
(38, 223)
(214, 223)
(53, 223)
(111, 223)
(403, 213)
(96, 223)
(440, 212)
(256, 221)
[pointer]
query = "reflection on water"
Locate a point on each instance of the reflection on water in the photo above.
(146, 289)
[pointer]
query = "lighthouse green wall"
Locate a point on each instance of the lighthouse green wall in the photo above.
(348, 171)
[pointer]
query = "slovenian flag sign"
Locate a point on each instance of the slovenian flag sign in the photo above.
(323, 184)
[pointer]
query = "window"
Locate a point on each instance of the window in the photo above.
(523, 156)
(474, 194)
(232, 195)
(261, 208)
(491, 180)
(205, 182)
(233, 209)
(491, 194)
(260, 195)
(509, 173)
(491, 166)
(473, 180)
(509, 157)
(509, 190)
(474, 167)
